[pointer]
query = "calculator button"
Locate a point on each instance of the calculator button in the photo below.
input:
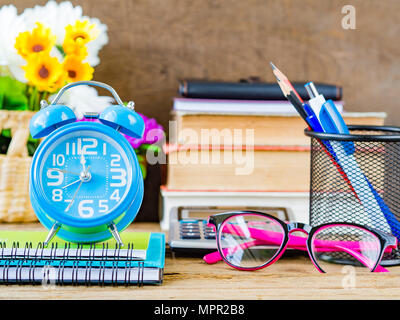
(190, 232)
(210, 235)
(190, 235)
(183, 225)
(189, 221)
(190, 228)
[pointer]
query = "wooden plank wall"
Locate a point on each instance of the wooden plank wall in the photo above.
(155, 42)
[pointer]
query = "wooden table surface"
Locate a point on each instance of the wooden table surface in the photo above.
(191, 278)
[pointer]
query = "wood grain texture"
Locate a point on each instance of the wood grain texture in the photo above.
(191, 278)
(155, 42)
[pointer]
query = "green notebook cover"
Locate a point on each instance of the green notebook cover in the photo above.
(139, 239)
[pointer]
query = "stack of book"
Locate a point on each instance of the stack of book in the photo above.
(243, 137)
(241, 145)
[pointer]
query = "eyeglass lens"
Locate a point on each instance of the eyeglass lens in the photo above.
(250, 240)
(333, 246)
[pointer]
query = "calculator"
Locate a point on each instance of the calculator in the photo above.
(189, 233)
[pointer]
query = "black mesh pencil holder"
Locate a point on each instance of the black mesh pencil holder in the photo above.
(356, 178)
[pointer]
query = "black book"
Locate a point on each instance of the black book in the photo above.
(244, 90)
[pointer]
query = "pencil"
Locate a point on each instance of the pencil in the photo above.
(289, 92)
(284, 80)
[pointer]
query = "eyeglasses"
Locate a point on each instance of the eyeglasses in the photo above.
(250, 240)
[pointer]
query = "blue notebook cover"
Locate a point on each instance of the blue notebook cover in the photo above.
(155, 254)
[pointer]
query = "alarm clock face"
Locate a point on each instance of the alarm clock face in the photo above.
(85, 175)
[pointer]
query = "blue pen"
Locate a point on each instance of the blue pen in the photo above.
(312, 119)
(329, 117)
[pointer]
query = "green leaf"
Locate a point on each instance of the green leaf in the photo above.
(60, 49)
(6, 133)
(143, 165)
(4, 143)
(155, 148)
(13, 94)
(32, 145)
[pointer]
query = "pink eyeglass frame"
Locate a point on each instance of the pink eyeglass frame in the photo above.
(387, 241)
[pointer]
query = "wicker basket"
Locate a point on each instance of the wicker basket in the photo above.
(15, 204)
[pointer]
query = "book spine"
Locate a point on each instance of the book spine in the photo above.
(250, 90)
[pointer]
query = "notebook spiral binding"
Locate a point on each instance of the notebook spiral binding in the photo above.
(79, 252)
(29, 262)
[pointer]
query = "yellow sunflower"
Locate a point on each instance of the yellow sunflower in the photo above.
(76, 49)
(39, 40)
(44, 72)
(76, 70)
(80, 33)
(60, 82)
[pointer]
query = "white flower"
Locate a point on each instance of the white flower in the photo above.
(95, 46)
(83, 99)
(57, 16)
(11, 25)
(53, 15)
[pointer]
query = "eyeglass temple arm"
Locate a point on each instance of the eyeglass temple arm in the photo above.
(274, 237)
(214, 257)
(364, 260)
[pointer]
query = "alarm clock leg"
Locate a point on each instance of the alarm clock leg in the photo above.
(54, 229)
(114, 231)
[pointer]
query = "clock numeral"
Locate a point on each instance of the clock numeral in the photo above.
(53, 174)
(121, 177)
(79, 146)
(58, 160)
(115, 195)
(82, 146)
(69, 146)
(84, 149)
(103, 205)
(57, 195)
(67, 201)
(84, 210)
(116, 158)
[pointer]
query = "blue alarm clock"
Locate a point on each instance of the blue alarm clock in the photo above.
(85, 181)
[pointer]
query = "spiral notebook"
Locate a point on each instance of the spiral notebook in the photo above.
(24, 260)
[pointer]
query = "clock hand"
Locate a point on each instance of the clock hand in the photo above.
(73, 198)
(83, 162)
(80, 179)
(64, 171)
(71, 183)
